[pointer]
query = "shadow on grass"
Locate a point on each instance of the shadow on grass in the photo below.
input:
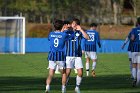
(88, 83)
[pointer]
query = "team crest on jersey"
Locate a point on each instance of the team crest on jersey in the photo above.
(77, 34)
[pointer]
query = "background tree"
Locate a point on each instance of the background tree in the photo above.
(44, 11)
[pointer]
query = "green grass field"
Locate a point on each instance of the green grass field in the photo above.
(27, 74)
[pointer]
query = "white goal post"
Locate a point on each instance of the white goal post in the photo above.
(12, 35)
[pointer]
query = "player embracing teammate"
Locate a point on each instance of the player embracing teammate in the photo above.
(56, 54)
(74, 51)
(66, 43)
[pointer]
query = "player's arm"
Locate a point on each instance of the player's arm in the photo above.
(49, 36)
(132, 37)
(65, 27)
(125, 42)
(83, 32)
(99, 44)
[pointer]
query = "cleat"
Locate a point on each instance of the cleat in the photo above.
(77, 90)
(93, 73)
(87, 72)
(47, 90)
(134, 83)
(64, 90)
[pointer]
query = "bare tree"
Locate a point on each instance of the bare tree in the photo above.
(133, 3)
(115, 9)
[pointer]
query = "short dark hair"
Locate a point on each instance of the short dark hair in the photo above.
(66, 22)
(76, 20)
(93, 25)
(138, 20)
(58, 24)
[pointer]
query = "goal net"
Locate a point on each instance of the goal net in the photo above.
(12, 35)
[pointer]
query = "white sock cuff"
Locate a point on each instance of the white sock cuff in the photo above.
(78, 77)
(78, 80)
(63, 86)
(134, 73)
(93, 65)
(87, 65)
(47, 86)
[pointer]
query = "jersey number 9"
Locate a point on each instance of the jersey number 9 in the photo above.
(56, 42)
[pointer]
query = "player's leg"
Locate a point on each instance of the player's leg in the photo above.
(52, 66)
(62, 68)
(64, 79)
(134, 74)
(69, 66)
(93, 67)
(87, 63)
(79, 67)
(78, 80)
(134, 68)
(130, 66)
(138, 74)
(138, 70)
(130, 60)
(68, 71)
(49, 79)
(94, 60)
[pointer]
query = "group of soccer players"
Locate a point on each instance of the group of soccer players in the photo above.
(134, 53)
(69, 40)
(66, 51)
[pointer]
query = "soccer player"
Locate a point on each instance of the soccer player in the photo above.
(67, 23)
(56, 54)
(74, 52)
(135, 37)
(67, 26)
(90, 48)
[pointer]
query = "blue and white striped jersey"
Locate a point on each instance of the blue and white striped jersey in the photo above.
(57, 46)
(136, 42)
(90, 45)
(130, 41)
(73, 46)
(83, 44)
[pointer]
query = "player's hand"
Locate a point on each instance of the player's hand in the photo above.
(78, 27)
(65, 27)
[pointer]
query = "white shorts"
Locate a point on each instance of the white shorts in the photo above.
(129, 54)
(135, 57)
(74, 62)
(91, 55)
(53, 64)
